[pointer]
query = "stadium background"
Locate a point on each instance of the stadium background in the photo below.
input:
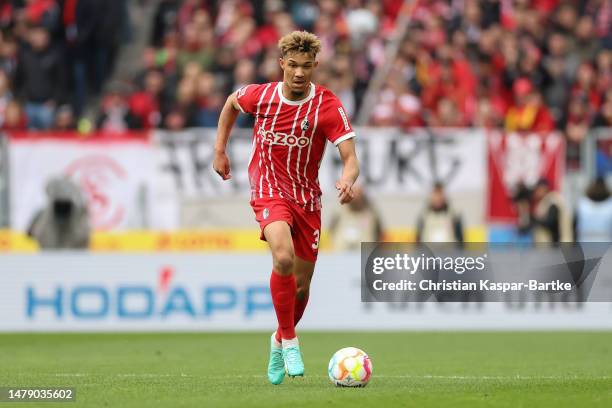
(111, 106)
(123, 97)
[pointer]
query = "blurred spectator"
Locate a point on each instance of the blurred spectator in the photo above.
(521, 198)
(604, 69)
(604, 117)
(45, 13)
(197, 46)
(186, 102)
(14, 117)
(438, 222)
(116, 115)
(342, 82)
(111, 29)
(557, 73)
(593, 222)
(64, 119)
(398, 105)
(40, 77)
(269, 70)
(165, 20)
(64, 222)
(355, 223)
(363, 23)
(94, 31)
(576, 127)
(148, 103)
(449, 89)
(80, 25)
(586, 43)
(8, 54)
(486, 115)
(244, 73)
(545, 216)
(209, 113)
(6, 96)
(586, 86)
(528, 112)
(175, 120)
(7, 10)
(447, 114)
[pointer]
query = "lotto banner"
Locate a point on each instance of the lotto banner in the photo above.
(216, 292)
(514, 158)
(392, 162)
(115, 174)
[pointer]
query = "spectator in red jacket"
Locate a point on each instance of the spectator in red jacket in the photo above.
(147, 103)
(528, 113)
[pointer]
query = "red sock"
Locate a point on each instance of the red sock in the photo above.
(283, 290)
(300, 306)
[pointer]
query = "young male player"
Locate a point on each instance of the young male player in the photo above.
(294, 119)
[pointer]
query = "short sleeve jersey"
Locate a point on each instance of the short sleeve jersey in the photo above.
(289, 139)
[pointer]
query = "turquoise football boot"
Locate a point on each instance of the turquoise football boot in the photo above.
(276, 365)
(293, 361)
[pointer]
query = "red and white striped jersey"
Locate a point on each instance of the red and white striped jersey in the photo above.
(289, 140)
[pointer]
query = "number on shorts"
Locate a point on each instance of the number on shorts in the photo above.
(316, 241)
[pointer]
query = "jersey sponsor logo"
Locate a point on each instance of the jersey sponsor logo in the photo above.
(283, 139)
(344, 119)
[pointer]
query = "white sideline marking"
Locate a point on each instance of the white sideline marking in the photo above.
(421, 377)
(499, 377)
(136, 375)
(71, 375)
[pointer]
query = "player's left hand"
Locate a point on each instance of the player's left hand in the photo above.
(221, 164)
(345, 191)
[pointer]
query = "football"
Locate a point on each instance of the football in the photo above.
(350, 367)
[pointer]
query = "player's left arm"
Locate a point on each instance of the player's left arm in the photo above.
(338, 130)
(350, 170)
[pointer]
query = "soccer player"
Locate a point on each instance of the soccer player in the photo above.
(294, 119)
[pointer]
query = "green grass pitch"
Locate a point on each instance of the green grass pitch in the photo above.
(421, 369)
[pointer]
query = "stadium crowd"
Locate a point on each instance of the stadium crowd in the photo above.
(514, 64)
(54, 56)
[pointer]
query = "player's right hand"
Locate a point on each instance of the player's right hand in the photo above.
(221, 164)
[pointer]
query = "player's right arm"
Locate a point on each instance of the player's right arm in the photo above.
(227, 118)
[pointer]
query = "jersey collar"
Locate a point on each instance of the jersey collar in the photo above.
(311, 94)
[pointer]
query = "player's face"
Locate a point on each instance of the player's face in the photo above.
(297, 71)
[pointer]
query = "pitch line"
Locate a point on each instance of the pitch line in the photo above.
(497, 377)
(414, 377)
(135, 375)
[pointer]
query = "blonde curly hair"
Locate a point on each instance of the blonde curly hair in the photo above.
(300, 41)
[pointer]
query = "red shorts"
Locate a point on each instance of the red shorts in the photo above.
(305, 226)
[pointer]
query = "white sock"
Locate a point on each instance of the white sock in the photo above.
(291, 342)
(275, 342)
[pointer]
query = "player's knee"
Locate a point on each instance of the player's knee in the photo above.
(283, 261)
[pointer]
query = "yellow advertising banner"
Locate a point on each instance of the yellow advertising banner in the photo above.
(221, 240)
